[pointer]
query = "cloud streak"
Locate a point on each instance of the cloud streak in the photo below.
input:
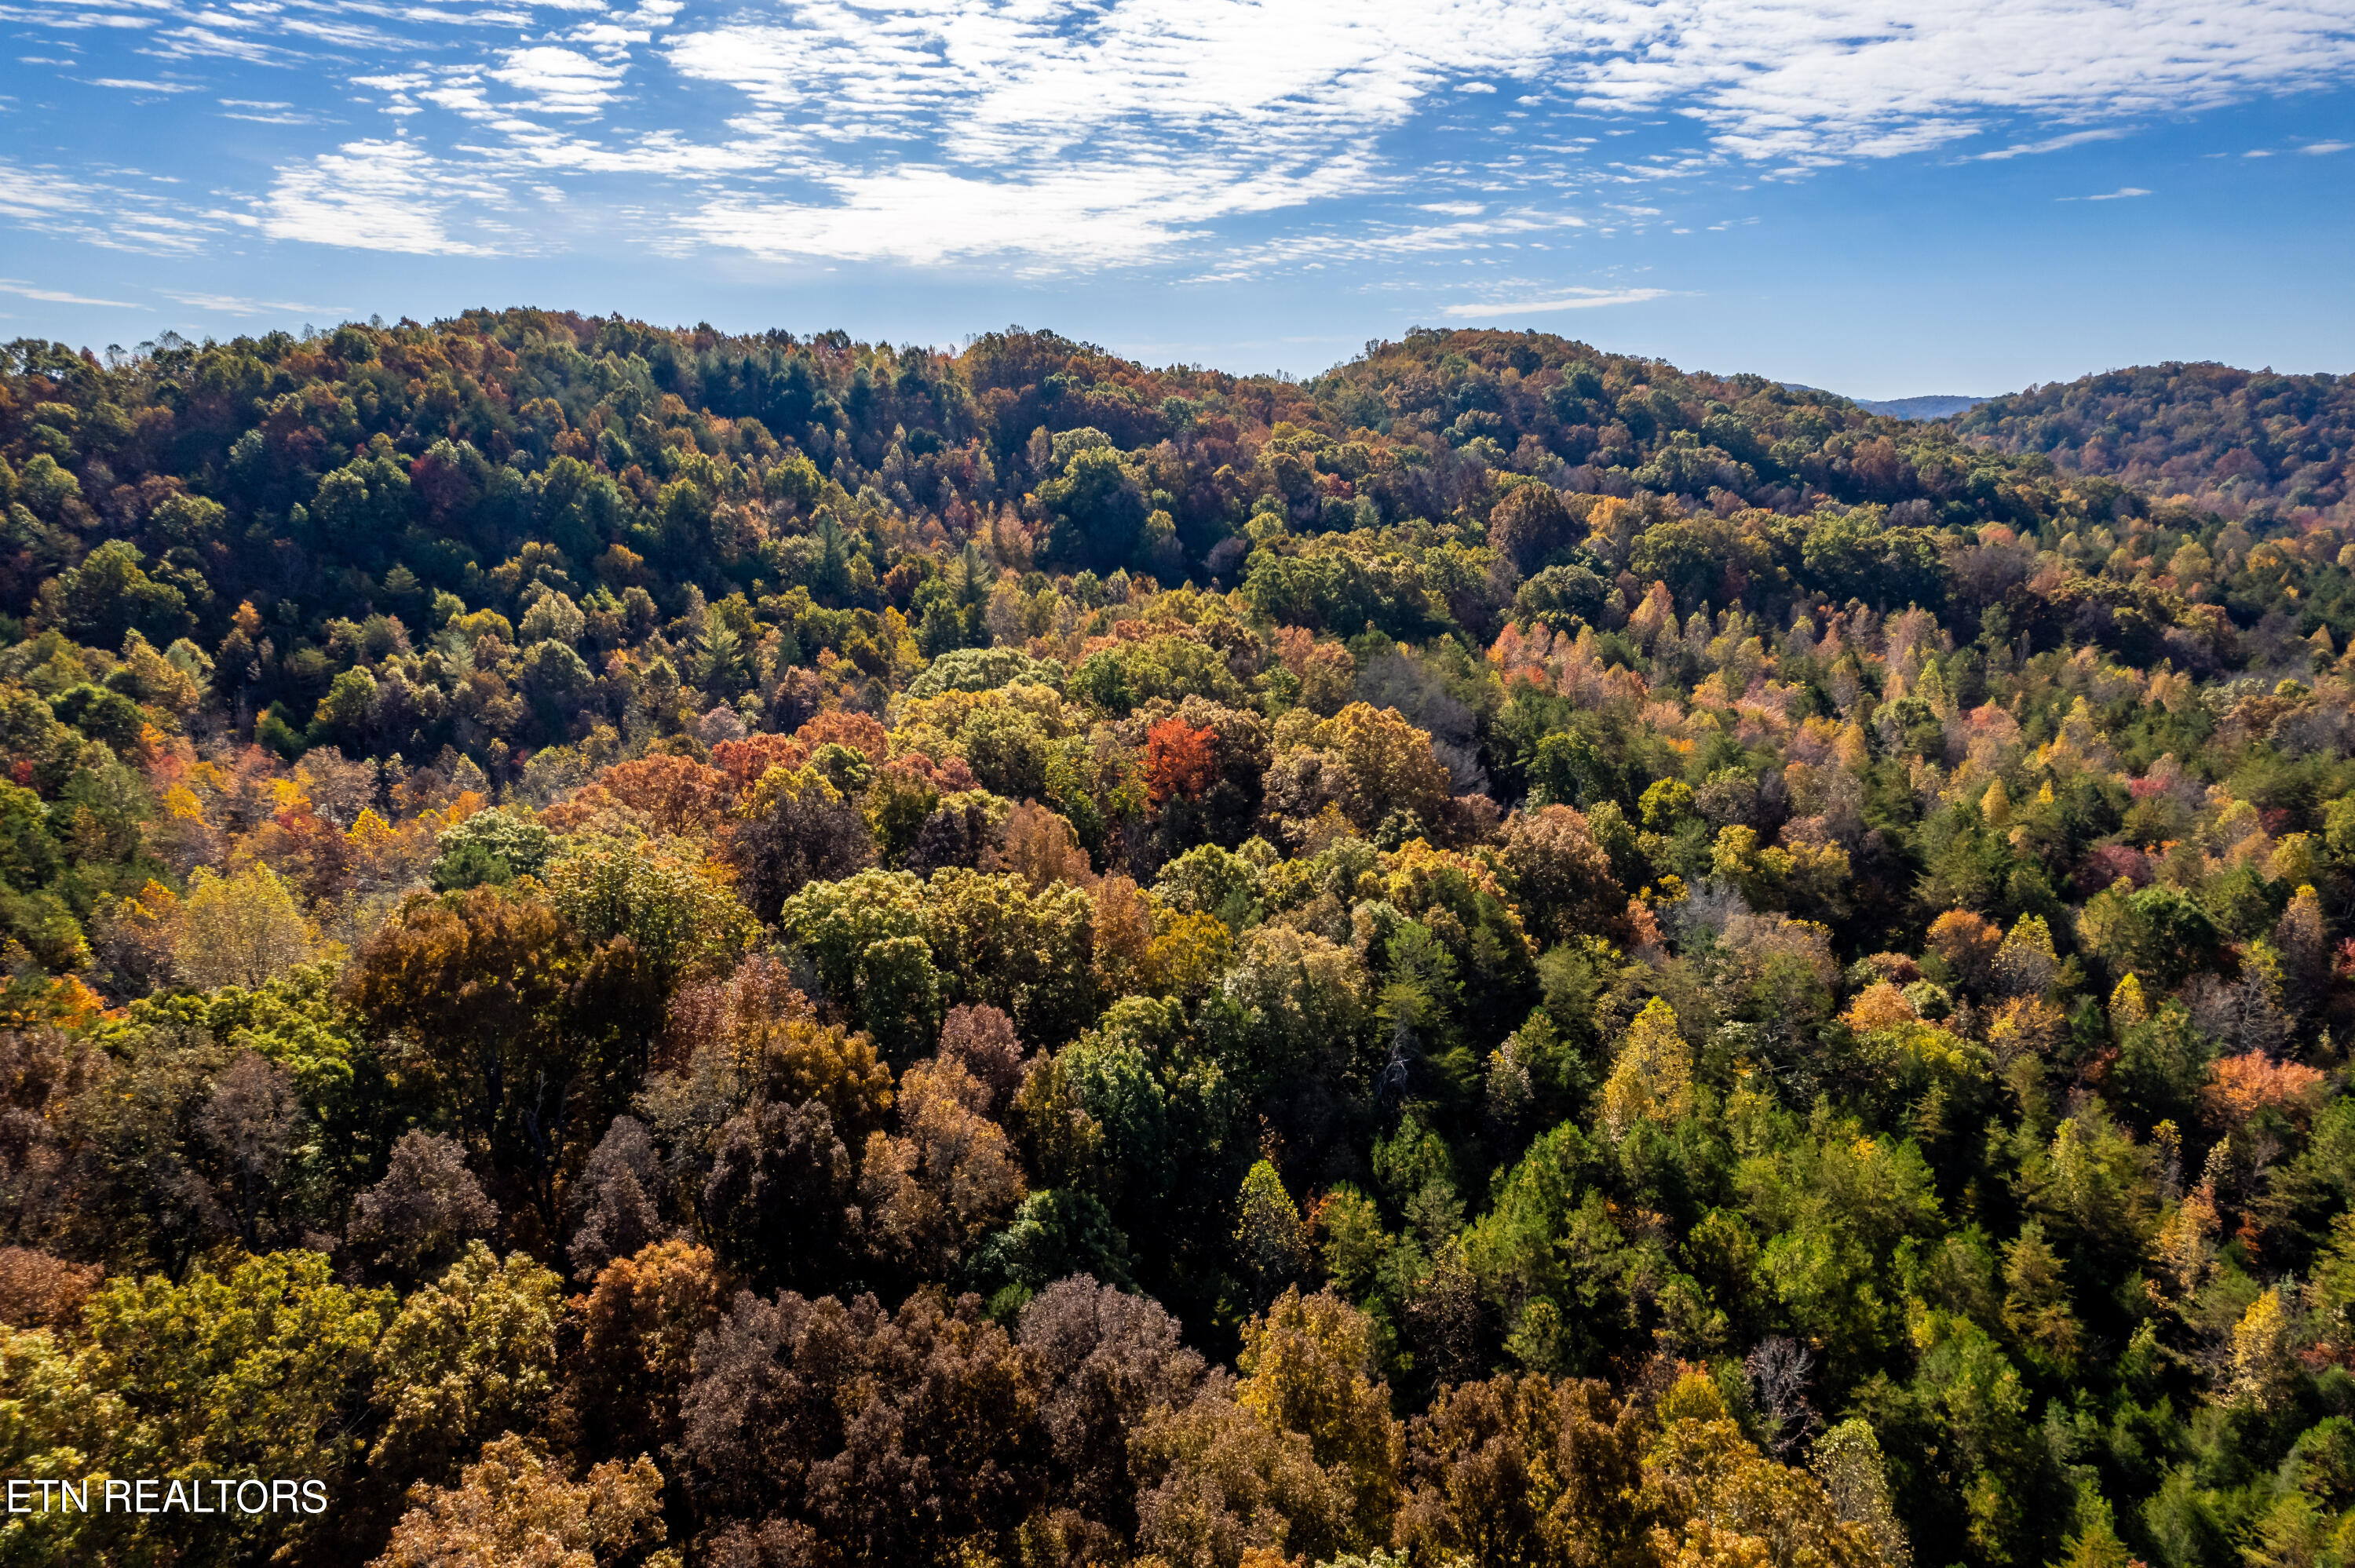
(235, 305)
(1216, 136)
(59, 296)
(1011, 91)
(2050, 144)
(378, 195)
(1574, 300)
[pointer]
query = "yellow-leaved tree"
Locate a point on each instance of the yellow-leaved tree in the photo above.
(1275, 1242)
(1652, 1080)
(518, 1505)
(1308, 1367)
(243, 930)
(1724, 1501)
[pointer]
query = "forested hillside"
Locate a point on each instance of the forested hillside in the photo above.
(2247, 444)
(649, 948)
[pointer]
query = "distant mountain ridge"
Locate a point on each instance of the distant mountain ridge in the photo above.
(2241, 442)
(2232, 439)
(1928, 406)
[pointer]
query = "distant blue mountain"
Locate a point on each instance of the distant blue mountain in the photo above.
(1931, 406)
(1934, 406)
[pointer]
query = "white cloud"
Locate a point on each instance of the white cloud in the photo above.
(1574, 300)
(2123, 192)
(130, 85)
(925, 214)
(2051, 144)
(35, 194)
(376, 196)
(1781, 78)
(65, 18)
(233, 305)
(559, 81)
(1002, 97)
(1858, 77)
(1075, 133)
(2327, 146)
(1328, 247)
(609, 38)
(102, 212)
(343, 35)
(59, 296)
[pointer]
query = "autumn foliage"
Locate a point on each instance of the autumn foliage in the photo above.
(663, 948)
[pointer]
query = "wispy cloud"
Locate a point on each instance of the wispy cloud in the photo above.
(1211, 135)
(128, 84)
(1846, 77)
(1007, 91)
(1489, 236)
(559, 81)
(1574, 300)
(378, 195)
(1084, 215)
(107, 211)
(59, 296)
(37, 194)
(233, 305)
(926, 216)
(2121, 194)
(2050, 144)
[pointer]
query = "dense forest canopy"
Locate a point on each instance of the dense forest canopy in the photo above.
(2235, 441)
(643, 946)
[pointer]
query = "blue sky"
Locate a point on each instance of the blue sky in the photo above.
(1880, 200)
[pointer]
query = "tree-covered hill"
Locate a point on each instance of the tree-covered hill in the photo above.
(1929, 406)
(2243, 443)
(649, 947)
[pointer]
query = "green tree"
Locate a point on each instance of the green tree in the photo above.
(469, 1356)
(1272, 1239)
(258, 1369)
(1096, 509)
(477, 983)
(677, 913)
